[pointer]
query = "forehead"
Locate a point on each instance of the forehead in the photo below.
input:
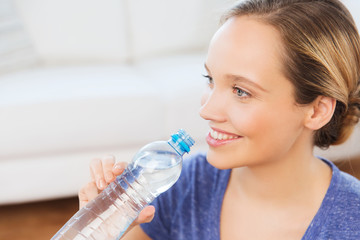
(247, 45)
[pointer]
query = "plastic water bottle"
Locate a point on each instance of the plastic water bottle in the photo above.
(153, 170)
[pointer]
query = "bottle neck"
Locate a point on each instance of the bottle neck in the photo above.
(177, 146)
(181, 142)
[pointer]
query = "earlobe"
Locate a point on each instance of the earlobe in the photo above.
(320, 112)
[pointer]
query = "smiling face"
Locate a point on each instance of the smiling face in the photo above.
(250, 104)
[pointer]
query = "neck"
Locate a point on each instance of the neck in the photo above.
(298, 175)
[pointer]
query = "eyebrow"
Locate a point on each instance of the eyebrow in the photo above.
(237, 78)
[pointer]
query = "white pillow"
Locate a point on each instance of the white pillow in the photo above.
(16, 50)
(72, 32)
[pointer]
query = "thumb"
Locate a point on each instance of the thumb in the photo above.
(146, 215)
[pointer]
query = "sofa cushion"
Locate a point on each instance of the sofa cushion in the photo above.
(76, 31)
(16, 49)
(68, 109)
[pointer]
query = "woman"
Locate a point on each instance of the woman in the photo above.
(283, 77)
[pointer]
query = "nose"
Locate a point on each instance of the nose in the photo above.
(213, 106)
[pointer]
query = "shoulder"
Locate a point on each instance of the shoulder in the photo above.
(347, 190)
(348, 195)
(343, 186)
(350, 184)
(343, 199)
(339, 214)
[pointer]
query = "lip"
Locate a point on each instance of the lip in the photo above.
(217, 142)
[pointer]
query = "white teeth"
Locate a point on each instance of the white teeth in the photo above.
(221, 136)
(215, 135)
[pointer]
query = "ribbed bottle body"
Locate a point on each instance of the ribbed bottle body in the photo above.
(110, 214)
(153, 170)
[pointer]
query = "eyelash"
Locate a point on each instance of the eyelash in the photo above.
(236, 90)
(209, 79)
(239, 91)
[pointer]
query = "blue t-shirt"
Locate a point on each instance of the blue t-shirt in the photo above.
(191, 208)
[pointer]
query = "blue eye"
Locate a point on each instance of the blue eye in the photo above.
(240, 93)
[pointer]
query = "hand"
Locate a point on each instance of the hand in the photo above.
(103, 171)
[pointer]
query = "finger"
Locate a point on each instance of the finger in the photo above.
(97, 173)
(146, 215)
(107, 165)
(87, 193)
(119, 168)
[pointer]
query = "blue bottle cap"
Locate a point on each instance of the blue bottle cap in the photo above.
(183, 140)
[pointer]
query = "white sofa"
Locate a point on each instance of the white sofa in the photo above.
(110, 76)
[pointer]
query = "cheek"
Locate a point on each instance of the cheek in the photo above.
(279, 135)
(265, 122)
(248, 120)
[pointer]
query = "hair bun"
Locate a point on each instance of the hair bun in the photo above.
(353, 112)
(350, 118)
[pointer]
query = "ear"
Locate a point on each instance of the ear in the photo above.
(320, 112)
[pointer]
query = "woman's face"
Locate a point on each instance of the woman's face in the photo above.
(249, 103)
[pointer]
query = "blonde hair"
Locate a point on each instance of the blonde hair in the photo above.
(322, 56)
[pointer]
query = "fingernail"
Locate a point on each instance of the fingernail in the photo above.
(109, 176)
(118, 167)
(101, 183)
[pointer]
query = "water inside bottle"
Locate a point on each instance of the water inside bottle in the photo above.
(159, 169)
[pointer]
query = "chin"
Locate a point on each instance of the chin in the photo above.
(219, 161)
